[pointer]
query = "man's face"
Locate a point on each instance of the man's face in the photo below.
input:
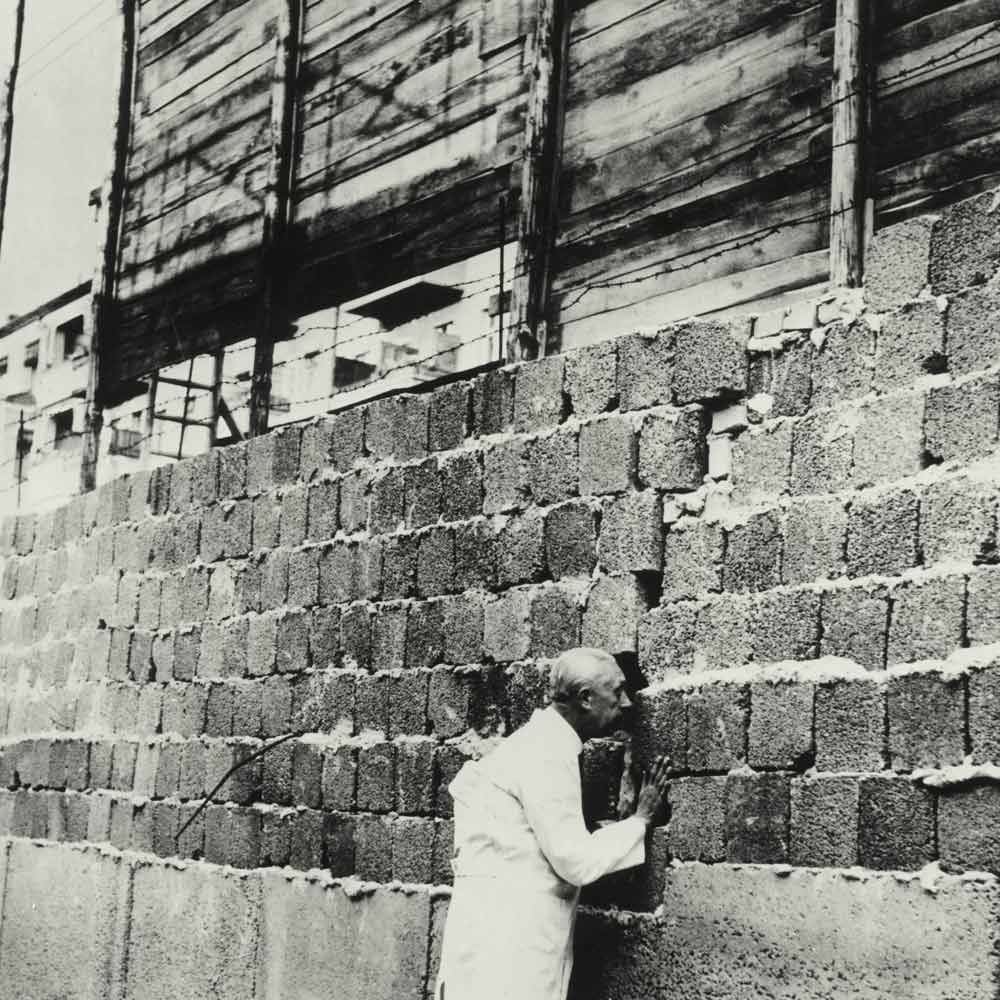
(607, 700)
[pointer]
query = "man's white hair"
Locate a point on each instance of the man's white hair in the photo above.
(576, 669)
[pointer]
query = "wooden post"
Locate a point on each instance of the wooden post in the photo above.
(100, 315)
(218, 360)
(7, 110)
(547, 58)
(277, 208)
(150, 422)
(850, 116)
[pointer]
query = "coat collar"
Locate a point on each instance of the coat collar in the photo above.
(558, 731)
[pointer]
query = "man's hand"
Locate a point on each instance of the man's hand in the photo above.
(653, 790)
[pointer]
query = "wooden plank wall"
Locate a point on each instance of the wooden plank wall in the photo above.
(696, 159)
(696, 153)
(936, 135)
(411, 115)
(189, 264)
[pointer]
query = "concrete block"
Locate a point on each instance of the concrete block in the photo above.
(856, 624)
(387, 502)
(389, 630)
(723, 635)
(615, 605)
(414, 777)
(316, 450)
(971, 321)
(422, 494)
(266, 522)
(895, 824)
(660, 728)
(193, 782)
(850, 728)
(347, 438)
(554, 466)
(232, 471)
(717, 721)
(957, 521)
(753, 554)
(822, 450)
(462, 629)
(340, 770)
(520, 550)
(354, 501)
(815, 537)
(323, 510)
(889, 440)
(184, 709)
(786, 625)
(632, 534)
(276, 774)
(275, 838)
(525, 690)
(356, 636)
(444, 849)
(608, 455)
(372, 946)
(396, 427)
(824, 821)
(762, 462)
(697, 830)
(507, 626)
(570, 536)
(276, 706)
(882, 533)
(538, 394)
(926, 721)
(424, 635)
(673, 449)
(645, 370)
(842, 368)
(408, 703)
(927, 619)
(757, 818)
(984, 714)
(666, 637)
(324, 638)
(449, 416)
(461, 477)
(969, 828)
(307, 774)
(460, 700)
(413, 849)
(171, 954)
(505, 477)
(780, 734)
(961, 421)
(55, 939)
(168, 769)
(493, 402)
(692, 559)
(965, 248)
(601, 766)
(324, 702)
(294, 516)
(262, 643)
(399, 565)
(448, 761)
(897, 264)
(373, 848)
(555, 622)
(475, 557)
(910, 345)
(592, 379)
(709, 359)
(371, 704)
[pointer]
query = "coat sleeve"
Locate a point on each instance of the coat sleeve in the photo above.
(552, 803)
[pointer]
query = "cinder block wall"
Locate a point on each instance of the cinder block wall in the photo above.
(787, 531)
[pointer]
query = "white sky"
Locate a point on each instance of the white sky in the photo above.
(63, 113)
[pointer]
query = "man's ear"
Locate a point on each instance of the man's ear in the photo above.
(583, 696)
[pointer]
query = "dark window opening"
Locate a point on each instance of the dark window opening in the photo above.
(31, 355)
(71, 334)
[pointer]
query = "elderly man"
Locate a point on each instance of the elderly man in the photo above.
(522, 849)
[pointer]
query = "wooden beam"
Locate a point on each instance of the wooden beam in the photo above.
(546, 60)
(273, 320)
(102, 290)
(850, 119)
(7, 108)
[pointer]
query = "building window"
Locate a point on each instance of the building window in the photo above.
(62, 427)
(71, 333)
(125, 441)
(3, 365)
(31, 355)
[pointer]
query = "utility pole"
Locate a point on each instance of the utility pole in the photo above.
(100, 316)
(7, 108)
